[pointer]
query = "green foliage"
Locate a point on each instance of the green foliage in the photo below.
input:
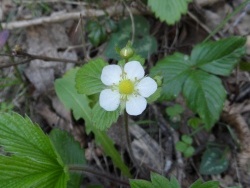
(169, 11)
(88, 78)
(143, 44)
(79, 105)
(70, 152)
(96, 32)
(32, 160)
(208, 184)
(174, 112)
(194, 122)
(213, 162)
(102, 118)
(204, 92)
(159, 181)
(6, 107)
(185, 146)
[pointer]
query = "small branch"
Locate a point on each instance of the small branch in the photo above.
(33, 57)
(86, 169)
(60, 17)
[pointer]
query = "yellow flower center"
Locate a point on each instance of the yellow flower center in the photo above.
(126, 87)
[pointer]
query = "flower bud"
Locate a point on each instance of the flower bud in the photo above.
(126, 52)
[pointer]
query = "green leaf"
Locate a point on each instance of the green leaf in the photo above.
(194, 122)
(175, 70)
(159, 180)
(96, 32)
(187, 139)
(70, 152)
(88, 77)
(213, 162)
(205, 95)
(174, 110)
(79, 103)
(219, 57)
(68, 95)
(189, 152)
(103, 119)
(181, 146)
(169, 11)
(140, 184)
(34, 161)
(208, 184)
(144, 44)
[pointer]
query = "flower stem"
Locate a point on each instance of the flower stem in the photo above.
(89, 170)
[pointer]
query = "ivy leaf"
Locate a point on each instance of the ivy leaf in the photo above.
(219, 57)
(34, 161)
(169, 11)
(88, 77)
(213, 162)
(81, 109)
(175, 70)
(205, 95)
(103, 119)
(71, 153)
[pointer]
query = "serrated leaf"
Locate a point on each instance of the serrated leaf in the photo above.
(169, 11)
(85, 112)
(204, 94)
(34, 161)
(144, 44)
(70, 152)
(208, 184)
(88, 77)
(140, 184)
(175, 70)
(213, 162)
(219, 57)
(103, 119)
(159, 180)
(66, 92)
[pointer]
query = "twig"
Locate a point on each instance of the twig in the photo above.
(65, 16)
(33, 57)
(90, 170)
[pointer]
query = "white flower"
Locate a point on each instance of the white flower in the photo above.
(126, 86)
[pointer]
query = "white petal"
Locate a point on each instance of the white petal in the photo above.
(134, 70)
(136, 105)
(109, 100)
(146, 87)
(111, 74)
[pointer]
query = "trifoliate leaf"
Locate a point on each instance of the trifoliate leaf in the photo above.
(88, 77)
(96, 32)
(68, 94)
(175, 70)
(70, 152)
(103, 119)
(144, 44)
(219, 57)
(204, 94)
(213, 162)
(34, 161)
(169, 11)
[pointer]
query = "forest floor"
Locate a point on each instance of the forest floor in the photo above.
(42, 30)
